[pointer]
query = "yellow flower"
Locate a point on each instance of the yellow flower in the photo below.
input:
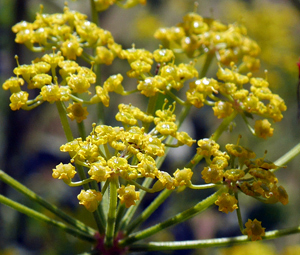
(221, 161)
(53, 59)
(68, 67)
(104, 56)
(128, 195)
(14, 84)
(71, 48)
(207, 147)
(40, 80)
(163, 55)
(113, 83)
(183, 177)
(169, 34)
(129, 114)
(99, 171)
(64, 171)
(50, 93)
(263, 128)
(222, 109)
(166, 128)
(226, 203)
(77, 112)
(212, 174)
(90, 199)
(170, 73)
(102, 94)
(164, 180)
(234, 174)
(27, 72)
(78, 83)
(153, 146)
(151, 85)
(254, 230)
(282, 195)
(18, 100)
(118, 164)
(239, 151)
(147, 166)
(184, 138)
(87, 73)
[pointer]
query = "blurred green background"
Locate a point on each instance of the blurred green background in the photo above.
(30, 141)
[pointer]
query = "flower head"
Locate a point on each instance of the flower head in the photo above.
(207, 147)
(90, 199)
(254, 230)
(71, 48)
(18, 100)
(64, 171)
(227, 203)
(128, 195)
(183, 177)
(77, 112)
(99, 171)
(263, 128)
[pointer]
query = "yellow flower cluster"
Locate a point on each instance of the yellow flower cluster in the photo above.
(75, 79)
(196, 36)
(167, 76)
(130, 145)
(214, 172)
(253, 177)
(70, 32)
(233, 97)
(129, 153)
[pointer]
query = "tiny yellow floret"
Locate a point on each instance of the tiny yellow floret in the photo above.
(90, 199)
(128, 195)
(254, 230)
(64, 171)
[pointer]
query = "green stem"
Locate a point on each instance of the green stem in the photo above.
(176, 99)
(198, 244)
(202, 186)
(223, 126)
(208, 60)
(99, 213)
(239, 215)
(136, 184)
(64, 121)
(94, 12)
(148, 211)
(79, 183)
(184, 112)
(150, 110)
(39, 216)
(180, 217)
(52, 208)
(291, 154)
(112, 212)
(120, 214)
(81, 129)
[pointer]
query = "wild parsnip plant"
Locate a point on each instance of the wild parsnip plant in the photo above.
(116, 166)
